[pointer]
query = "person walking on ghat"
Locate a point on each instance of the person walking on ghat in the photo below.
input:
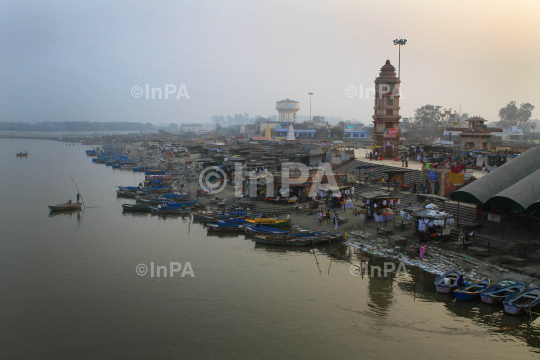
(320, 215)
(406, 161)
(327, 216)
(336, 219)
(402, 160)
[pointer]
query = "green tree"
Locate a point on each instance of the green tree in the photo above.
(511, 115)
(337, 132)
(427, 121)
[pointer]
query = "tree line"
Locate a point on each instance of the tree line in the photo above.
(76, 126)
(430, 121)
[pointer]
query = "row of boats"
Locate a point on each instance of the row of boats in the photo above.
(268, 231)
(120, 161)
(516, 298)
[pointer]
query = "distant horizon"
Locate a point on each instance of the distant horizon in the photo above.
(168, 61)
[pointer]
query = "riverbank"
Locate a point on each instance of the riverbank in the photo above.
(362, 237)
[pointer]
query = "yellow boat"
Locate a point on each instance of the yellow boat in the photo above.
(269, 221)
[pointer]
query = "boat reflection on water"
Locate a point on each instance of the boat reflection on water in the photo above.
(418, 284)
(66, 212)
(224, 234)
(135, 214)
(281, 249)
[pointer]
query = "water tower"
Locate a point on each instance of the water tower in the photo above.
(287, 110)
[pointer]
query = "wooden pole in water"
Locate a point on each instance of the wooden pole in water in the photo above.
(77, 190)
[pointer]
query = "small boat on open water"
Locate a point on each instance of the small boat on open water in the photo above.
(66, 206)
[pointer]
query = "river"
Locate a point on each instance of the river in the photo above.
(69, 286)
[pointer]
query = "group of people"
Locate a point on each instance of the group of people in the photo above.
(78, 198)
(321, 215)
(465, 235)
(204, 191)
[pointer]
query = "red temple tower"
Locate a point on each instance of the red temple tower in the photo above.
(386, 132)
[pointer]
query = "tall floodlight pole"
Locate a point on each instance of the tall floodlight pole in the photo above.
(399, 42)
(310, 105)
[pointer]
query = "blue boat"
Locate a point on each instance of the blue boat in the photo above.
(176, 196)
(497, 296)
(446, 283)
(180, 205)
(155, 172)
(473, 290)
(138, 169)
(116, 166)
(94, 160)
(522, 301)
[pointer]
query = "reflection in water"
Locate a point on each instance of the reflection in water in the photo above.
(65, 213)
(183, 315)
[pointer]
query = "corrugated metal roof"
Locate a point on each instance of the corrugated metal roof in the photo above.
(495, 184)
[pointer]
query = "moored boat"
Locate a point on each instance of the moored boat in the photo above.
(497, 295)
(281, 241)
(269, 221)
(136, 207)
(472, 290)
(66, 206)
(165, 211)
(447, 282)
(23, 153)
(523, 301)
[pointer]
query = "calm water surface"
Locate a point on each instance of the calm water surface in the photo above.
(69, 289)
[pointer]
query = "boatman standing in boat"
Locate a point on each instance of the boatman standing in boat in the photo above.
(78, 196)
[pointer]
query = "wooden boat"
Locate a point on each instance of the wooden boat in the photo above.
(324, 239)
(155, 172)
(446, 283)
(66, 206)
(139, 208)
(216, 227)
(523, 301)
(124, 193)
(153, 201)
(165, 211)
(269, 240)
(472, 290)
(256, 229)
(23, 153)
(501, 292)
(269, 221)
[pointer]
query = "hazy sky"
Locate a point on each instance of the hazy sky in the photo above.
(79, 60)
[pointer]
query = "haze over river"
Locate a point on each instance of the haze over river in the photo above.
(69, 287)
